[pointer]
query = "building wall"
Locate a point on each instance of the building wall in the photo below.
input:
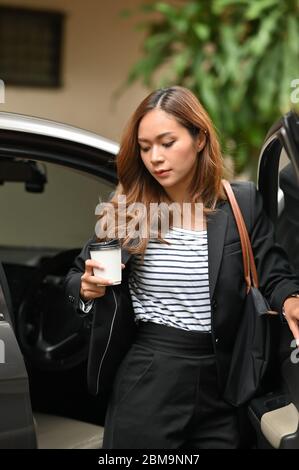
(99, 49)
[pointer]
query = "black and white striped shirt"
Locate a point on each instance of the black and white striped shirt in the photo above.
(171, 287)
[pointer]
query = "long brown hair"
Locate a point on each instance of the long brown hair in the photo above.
(136, 182)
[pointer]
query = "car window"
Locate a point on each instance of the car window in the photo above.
(60, 217)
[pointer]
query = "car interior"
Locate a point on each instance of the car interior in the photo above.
(49, 215)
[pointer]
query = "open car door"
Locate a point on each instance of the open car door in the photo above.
(275, 416)
(16, 420)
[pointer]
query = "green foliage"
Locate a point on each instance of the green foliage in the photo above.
(238, 56)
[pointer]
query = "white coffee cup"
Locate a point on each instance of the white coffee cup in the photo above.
(108, 253)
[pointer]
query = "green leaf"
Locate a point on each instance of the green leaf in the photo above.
(166, 9)
(191, 9)
(256, 9)
(268, 81)
(258, 43)
(287, 75)
(219, 6)
(181, 61)
(154, 42)
(202, 31)
(180, 24)
(293, 36)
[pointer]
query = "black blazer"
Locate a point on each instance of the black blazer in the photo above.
(113, 317)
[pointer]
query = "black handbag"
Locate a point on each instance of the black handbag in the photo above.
(252, 347)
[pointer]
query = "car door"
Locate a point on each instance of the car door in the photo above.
(29, 147)
(275, 416)
(16, 420)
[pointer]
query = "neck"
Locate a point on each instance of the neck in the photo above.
(177, 197)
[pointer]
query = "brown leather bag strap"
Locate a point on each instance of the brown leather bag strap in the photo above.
(251, 258)
(250, 272)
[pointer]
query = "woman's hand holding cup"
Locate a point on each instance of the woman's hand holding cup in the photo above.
(93, 287)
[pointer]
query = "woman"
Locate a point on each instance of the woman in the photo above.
(168, 330)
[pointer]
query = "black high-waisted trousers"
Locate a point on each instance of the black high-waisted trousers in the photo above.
(165, 395)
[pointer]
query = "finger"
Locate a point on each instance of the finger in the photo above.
(123, 266)
(99, 281)
(92, 263)
(89, 280)
(295, 330)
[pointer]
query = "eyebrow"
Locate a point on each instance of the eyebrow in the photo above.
(140, 139)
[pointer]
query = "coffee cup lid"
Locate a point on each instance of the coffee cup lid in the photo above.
(104, 245)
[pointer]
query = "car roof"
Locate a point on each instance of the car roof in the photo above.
(57, 130)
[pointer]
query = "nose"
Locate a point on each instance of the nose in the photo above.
(156, 155)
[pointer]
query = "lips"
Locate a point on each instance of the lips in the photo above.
(161, 172)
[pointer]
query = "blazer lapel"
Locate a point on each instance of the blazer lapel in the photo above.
(216, 228)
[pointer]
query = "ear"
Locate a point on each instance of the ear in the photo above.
(201, 142)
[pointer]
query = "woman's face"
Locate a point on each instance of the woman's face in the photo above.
(168, 151)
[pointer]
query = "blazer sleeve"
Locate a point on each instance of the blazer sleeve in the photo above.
(72, 282)
(276, 276)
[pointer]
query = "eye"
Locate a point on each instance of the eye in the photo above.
(168, 144)
(144, 149)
